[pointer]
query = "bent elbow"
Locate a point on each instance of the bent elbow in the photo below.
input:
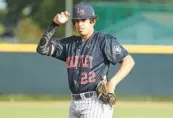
(132, 61)
(41, 51)
(38, 50)
(129, 60)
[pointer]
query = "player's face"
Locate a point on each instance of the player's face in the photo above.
(84, 26)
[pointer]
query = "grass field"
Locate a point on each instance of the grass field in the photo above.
(60, 109)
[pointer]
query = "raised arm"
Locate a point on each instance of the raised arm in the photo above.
(45, 46)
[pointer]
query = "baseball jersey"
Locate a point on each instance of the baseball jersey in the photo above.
(89, 59)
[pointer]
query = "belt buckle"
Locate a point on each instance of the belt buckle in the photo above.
(89, 94)
(82, 95)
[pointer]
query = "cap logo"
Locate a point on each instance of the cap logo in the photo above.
(80, 12)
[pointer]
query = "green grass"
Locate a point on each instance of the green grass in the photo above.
(21, 97)
(60, 109)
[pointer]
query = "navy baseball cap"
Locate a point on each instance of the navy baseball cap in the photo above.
(83, 11)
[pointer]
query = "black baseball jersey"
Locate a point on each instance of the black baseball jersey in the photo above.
(89, 59)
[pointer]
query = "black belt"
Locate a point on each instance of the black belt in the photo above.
(83, 95)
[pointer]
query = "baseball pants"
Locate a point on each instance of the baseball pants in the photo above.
(90, 108)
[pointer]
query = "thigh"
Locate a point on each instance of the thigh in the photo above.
(107, 111)
(72, 115)
(96, 109)
(72, 111)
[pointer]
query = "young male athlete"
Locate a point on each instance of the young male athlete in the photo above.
(88, 57)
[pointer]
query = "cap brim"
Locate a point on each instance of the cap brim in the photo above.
(84, 17)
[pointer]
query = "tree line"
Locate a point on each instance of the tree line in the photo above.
(42, 11)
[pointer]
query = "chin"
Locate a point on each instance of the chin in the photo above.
(82, 33)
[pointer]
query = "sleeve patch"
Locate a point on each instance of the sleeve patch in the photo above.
(117, 49)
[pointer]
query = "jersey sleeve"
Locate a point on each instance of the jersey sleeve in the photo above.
(113, 51)
(59, 50)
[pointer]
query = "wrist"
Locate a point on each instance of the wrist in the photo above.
(113, 82)
(55, 24)
(111, 86)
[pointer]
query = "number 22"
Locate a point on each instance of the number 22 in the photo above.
(88, 78)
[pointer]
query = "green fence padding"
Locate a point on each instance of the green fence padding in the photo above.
(31, 73)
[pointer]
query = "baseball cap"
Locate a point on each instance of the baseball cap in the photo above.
(83, 11)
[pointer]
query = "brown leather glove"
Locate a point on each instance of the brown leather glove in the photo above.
(104, 95)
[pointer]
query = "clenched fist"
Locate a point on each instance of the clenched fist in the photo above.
(61, 18)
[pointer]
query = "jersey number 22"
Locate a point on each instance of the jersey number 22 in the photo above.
(88, 78)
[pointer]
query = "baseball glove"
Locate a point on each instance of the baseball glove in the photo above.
(104, 95)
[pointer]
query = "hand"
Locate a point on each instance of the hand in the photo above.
(61, 18)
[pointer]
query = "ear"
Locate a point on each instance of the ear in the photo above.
(94, 23)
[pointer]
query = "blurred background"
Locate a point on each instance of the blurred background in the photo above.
(35, 86)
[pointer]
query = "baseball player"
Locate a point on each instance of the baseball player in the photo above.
(88, 57)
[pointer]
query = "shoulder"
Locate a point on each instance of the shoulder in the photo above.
(103, 36)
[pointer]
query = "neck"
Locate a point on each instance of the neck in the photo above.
(85, 37)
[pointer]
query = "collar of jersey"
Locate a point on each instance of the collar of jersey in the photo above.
(83, 40)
